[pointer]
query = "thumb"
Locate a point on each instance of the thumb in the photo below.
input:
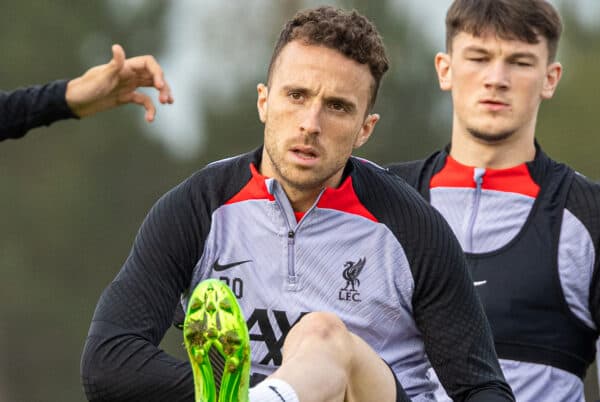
(118, 59)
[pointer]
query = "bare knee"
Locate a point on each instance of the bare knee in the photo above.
(320, 328)
(320, 324)
(321, 345)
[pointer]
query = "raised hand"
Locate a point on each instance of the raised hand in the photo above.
(115, 83)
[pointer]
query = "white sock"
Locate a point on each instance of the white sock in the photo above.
(273, 390)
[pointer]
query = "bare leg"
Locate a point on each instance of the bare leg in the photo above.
(324, 362)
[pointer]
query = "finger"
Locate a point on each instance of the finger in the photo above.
(165, 95)
(148, 65)
(143, 65)
(118, 59)
(146, 102)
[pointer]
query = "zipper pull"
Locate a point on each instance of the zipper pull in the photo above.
(478, 174)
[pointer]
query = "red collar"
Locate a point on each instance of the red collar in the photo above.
(342, 198)
(515, 179)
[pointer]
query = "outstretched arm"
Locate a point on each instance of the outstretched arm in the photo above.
(100, 88)
(27, 108)
(115, 83)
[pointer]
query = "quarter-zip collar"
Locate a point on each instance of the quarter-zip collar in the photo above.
(517, 179)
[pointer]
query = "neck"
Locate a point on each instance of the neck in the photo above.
(301, 200)
(512, 151)
(301, 197)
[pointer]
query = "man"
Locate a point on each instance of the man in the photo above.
(100, 88)
(298, 228)
(530, 226)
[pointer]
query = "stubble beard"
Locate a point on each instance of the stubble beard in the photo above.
(287, 176)
(490, 138)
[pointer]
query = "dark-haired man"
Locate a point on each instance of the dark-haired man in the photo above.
(302, 232)
(100, 88)
(530, 226)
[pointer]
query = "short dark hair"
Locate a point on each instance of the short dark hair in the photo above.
(348, 32)
(523, 20)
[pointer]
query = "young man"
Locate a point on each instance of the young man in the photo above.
(530, 226)
(100, 88)
(298, 228)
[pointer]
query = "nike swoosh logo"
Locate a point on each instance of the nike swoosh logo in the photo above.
(479, 283)
(218, 267)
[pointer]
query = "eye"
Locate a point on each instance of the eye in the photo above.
(477, 59)
(296, 95)
(522, 63)
(338, 106)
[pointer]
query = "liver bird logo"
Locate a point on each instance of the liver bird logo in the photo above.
(351, 272)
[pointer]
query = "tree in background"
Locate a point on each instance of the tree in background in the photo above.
(74, 194)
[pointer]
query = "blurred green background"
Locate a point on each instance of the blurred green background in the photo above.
(73, 195)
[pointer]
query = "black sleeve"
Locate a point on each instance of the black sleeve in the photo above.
(584, 202)
(27, 108)
(121, 360)
(418, 173)
(446, 308)
(409, 171)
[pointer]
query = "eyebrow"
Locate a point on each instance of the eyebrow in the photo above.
(512, 56)
(476, 49)
(286, 89)
(523, 55)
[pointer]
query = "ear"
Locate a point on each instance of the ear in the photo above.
(261, 102)
(553, 74)
(366, 130)
(444, 71)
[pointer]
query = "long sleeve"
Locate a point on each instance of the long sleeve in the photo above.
(446, 309)
(27, 108)
(584, 203)
(121, 360)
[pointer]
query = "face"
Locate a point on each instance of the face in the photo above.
(314, 112)
(497, 85)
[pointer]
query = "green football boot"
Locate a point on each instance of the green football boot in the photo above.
(218, 345)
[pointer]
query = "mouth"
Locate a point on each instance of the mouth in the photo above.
(305, 153)
(494, 105)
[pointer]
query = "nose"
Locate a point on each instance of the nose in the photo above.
(496, 76)
(311, 120)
